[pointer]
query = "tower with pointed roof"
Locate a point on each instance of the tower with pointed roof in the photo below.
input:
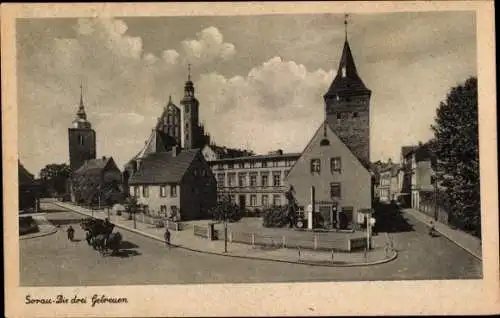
(193, 133)
(82, 138)
(347, 105)
(170, 122)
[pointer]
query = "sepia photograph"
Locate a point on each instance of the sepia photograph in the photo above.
(335, 146)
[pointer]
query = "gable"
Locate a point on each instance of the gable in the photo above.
(315, 147)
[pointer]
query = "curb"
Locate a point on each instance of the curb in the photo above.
(452, 240)
(38, 235)
(298, 262)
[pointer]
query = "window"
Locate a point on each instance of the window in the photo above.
(315, 165)
(137, 192)
(187, 108)
(276, 179)
(252, 164)
(231, 182)
(145, 191)
(241, 180)
(265, 200)
(287, 172)
(232, 197)
(355, 115)
(276, 200)
(230, 166)
(163, 210)
(264, 164)
(264, 180)
(163, 191)
(220, 179)
(275, 163)
(203, 172)
(339, 116)
(80, 140)
(253, 200)
(253, 180)
(241, 165)
(344, 71)
(288, 163)
(335, 165)
(335, 190)
(145, 209)
(173, 190)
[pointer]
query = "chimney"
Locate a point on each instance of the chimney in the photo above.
(175, 151)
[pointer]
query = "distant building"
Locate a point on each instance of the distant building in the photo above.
(97, 181)
(29, 191)
(176, 183)
(213, 152)
(418, 173)
(254, 182)
(390, 182)
(82, 138)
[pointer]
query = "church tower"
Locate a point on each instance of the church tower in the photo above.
(170, 122)
(347, 105)
(82, 140)
(191, 115)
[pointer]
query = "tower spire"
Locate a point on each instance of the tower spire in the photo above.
(345, 25)
(81, 108)
(189, 72)
(81, 94)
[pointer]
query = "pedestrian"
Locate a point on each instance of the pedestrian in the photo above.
(431, 229)
(167, 237)
(71, 233)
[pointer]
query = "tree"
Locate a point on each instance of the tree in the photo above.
(456, 147)
(131, 206)
(226, 211)
(54, 178)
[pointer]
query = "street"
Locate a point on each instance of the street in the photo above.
(54, 261)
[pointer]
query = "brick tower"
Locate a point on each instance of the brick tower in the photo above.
(347, 105)
(82, 139)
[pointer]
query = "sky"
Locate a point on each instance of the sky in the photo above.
(260, 80)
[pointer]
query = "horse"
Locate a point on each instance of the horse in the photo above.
(99, 243)
(113, 242)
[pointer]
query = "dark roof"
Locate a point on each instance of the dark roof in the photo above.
(351, 82)
(25, 177)
(163, 167)
(260, 157)
(407, 150)
(94, 166)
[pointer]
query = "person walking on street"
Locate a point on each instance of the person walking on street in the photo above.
(167, 237)
(71, 233)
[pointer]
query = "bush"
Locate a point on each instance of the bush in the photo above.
(275, 216)
(27, 225)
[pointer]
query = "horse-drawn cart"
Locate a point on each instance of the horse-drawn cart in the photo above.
(100, 235)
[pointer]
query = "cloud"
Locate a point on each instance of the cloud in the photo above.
(264, 109)
(208, 46)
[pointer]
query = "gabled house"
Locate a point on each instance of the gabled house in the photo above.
(389, 186)
(29, 191)
(97, 181)
(177, 183)
(337, 175)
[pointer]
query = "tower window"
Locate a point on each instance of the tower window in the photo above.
(339, 116)
(187, 108)
(344, 72)
(80, 140)
(355, 115)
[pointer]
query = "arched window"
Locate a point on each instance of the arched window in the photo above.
(80, 140)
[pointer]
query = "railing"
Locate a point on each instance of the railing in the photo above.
(314, 242)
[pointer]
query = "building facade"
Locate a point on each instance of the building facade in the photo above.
(81, 137)
(390, 182)
(97, 181)
(176, 184)
(418, 173)
(335, 165)
(254, 182)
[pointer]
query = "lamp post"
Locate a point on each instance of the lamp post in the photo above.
(435, 198)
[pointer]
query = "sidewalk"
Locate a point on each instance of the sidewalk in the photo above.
(44, 226)
(466, 241)
(187, 240)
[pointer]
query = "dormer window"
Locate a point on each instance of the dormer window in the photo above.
(344, 72)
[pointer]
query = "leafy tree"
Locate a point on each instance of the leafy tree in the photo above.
(54, 178)
(226, 211)
(456, 146)
(131, 206)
